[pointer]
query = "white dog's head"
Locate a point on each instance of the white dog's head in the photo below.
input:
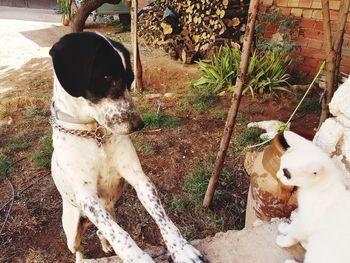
(303, 164)
(95, 73)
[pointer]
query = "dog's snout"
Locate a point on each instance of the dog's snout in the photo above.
(286, 173)
(138, 125)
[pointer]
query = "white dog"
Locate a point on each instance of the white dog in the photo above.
(321, 224)
(92, 115)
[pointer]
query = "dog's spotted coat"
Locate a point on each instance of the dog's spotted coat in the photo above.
(91, 87)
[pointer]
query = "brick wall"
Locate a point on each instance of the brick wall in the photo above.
(310, 35)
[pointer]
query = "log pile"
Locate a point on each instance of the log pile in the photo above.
(192, 29)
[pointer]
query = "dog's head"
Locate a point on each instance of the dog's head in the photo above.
(98, 70)
(304, 164)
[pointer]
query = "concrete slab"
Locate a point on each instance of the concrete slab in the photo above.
(250, 245)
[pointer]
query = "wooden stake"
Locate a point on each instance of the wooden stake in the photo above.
(138, 84)
(333, 52)
(236, 98)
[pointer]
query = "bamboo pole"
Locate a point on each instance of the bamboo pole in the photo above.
(236, 98)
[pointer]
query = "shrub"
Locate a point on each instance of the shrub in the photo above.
(266, 71)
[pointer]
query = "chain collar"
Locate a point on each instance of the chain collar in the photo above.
(100, 134)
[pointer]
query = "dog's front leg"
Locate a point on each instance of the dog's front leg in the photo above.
(129, 167)
(122, 243)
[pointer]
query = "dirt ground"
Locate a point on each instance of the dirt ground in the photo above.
(34, 232)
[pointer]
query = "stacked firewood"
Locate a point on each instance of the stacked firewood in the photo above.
(192, 29)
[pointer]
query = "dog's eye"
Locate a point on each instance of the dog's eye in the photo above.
(286, 173)
(108, 78)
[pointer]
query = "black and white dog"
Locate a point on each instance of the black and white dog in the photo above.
(92, 115)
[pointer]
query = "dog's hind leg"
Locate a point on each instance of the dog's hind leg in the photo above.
(74, 227)
(122, 243)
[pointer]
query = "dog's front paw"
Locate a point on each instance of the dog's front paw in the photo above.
(187, 254)
(285, 241)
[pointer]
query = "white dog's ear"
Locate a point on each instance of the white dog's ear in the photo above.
(293, 139)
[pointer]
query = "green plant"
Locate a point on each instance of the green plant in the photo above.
(4, 164)
(40, 160)
(160, 120)
(21, 142)
(145, 147)
(267, 71)
(221, 71)
(246, 137)
(310, 105)
(65, 8)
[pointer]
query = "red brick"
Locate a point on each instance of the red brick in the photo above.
(263, 8)
(302, 41)
(293, 3)
(267, 2)
(317, 14)
(316, 4)
(345, 69)
(345, 60)
(315, 43)
(312, 53)
(305, 3)
(285, 10)
(283, 3)
(307, 13)
(347, 28)
(346, 43)
(334, 5)
(313, 34)
(307, 23)
(334, 14)
(345, 52)
(319, 25)
(312, 62)
(296, 11)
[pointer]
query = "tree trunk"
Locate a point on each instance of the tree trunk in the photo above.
(84, 11)
(333, 52)
(236, 98)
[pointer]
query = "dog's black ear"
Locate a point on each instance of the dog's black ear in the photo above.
(86, 65)
(128, 70)
(73, 56)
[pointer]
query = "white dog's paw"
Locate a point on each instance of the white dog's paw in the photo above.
(283, 228)
(187, 254)
(285, 241)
